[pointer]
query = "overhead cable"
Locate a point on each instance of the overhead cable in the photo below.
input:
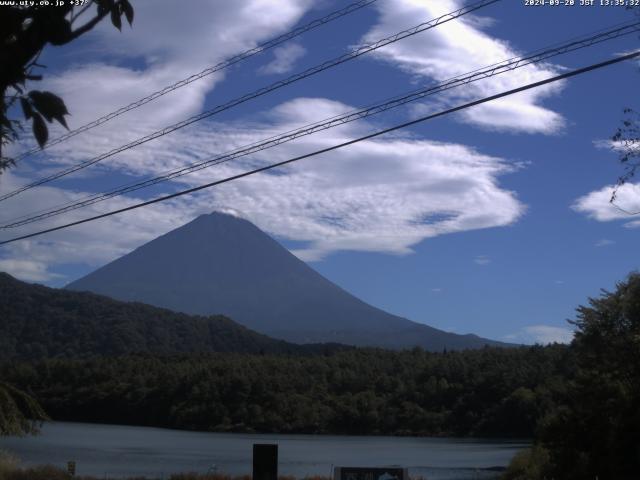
(487, 72)
(206, 72)
(523, 88)
(261, 91)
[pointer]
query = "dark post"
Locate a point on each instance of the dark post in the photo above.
(265, 461)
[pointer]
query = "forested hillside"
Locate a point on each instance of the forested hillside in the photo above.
(40, 322)
(501, 392)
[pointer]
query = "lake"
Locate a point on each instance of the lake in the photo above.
(117, 451)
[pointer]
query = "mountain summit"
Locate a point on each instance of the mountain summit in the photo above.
(222, 264)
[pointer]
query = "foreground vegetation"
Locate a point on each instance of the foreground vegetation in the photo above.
(594, 430)
(581, 403)
(10, 470)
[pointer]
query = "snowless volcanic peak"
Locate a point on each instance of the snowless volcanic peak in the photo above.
(221, 263)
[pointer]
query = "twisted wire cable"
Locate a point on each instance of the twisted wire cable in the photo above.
(476, 75)
(362, 50)
(449, 111)
(207, 71)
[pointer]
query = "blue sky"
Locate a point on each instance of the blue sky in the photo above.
(493, 221)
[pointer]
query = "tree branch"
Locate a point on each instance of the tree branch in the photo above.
(88, 26)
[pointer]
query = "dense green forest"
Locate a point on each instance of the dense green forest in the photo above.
(40, 322)
(490, 391)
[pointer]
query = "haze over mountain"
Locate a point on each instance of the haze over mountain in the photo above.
(222, 264)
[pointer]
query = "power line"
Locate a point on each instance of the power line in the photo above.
(529, 86)
(262, 91)
(479, 74)
(206, 72)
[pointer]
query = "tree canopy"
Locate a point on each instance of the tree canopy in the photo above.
(594, 431)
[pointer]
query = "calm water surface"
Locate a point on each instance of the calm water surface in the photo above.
(116, 451)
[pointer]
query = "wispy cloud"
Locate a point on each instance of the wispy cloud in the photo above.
(171, 42)
(284, 59)
(482, 260)
(597, 204)
(28, 270)
(541, 334)
(381, 196)
(459, 47)
(604, 242)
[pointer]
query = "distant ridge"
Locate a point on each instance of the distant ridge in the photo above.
(39, 322)
(222, 264)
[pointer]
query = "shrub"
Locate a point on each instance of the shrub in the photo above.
(531, 464)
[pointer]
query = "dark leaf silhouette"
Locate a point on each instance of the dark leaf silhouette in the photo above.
(40, 130)
(128, 10)
(104, 6)
(115, 18)
(50, 106)
(59, 30)
(26, 108)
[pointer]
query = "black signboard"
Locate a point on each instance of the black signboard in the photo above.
(373, 473)
(265, 461)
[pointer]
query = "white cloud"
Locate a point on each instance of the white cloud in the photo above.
(172, 42)
(597, 204)
(90, 244)
(27, 270)
(541, 334)
(380, 196)
(604, 242)
(458, 47)
(482, 260)
(284, 59)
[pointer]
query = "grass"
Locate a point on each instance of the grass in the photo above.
(10, 469)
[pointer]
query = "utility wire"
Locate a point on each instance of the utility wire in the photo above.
(207, 71)
(529, 86)
(262, 91)
(487, 72)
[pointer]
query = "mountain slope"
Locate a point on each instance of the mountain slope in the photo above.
(41, 322)
(222, 264)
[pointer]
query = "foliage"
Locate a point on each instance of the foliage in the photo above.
(8, 464)
(20, 413)
(25, 31)
(594, 431)
(530, 464)
(626, 142)
(9, 470)
(359, 391)
(41, 472)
